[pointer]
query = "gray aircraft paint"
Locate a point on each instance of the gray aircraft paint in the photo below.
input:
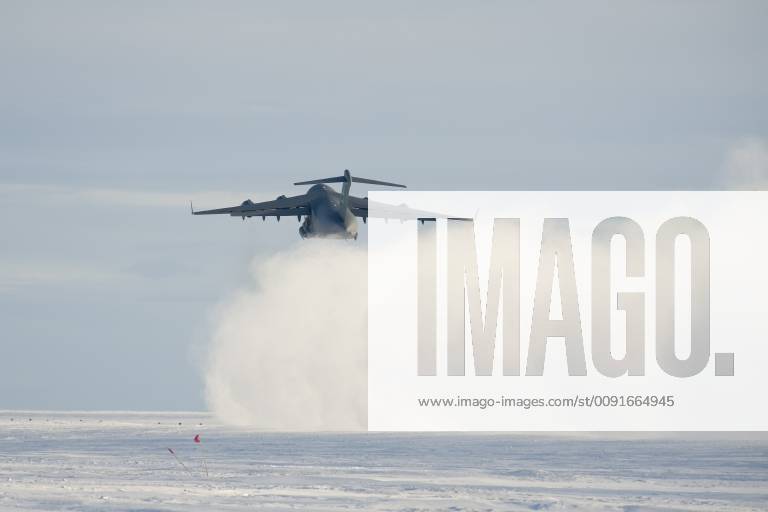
(327, 213)
(329, 216)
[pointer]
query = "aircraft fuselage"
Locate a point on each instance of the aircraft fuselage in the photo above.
(329, 217)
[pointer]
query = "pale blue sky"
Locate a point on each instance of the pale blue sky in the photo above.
(113, 114)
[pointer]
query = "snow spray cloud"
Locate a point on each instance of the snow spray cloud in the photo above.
(289, 352)
(746, 164)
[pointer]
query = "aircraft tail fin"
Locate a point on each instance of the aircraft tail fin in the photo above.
(348, 178)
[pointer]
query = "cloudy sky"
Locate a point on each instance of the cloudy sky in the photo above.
(114, 114)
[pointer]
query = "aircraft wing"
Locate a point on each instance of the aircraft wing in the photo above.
(361, 207)
(280, 207)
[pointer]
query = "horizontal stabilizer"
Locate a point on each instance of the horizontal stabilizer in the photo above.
(348, 178)
(337, 179)
(376, 182)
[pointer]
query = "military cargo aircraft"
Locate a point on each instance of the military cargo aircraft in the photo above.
(327, 213)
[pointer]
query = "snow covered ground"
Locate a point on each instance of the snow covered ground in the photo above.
(119, 461)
